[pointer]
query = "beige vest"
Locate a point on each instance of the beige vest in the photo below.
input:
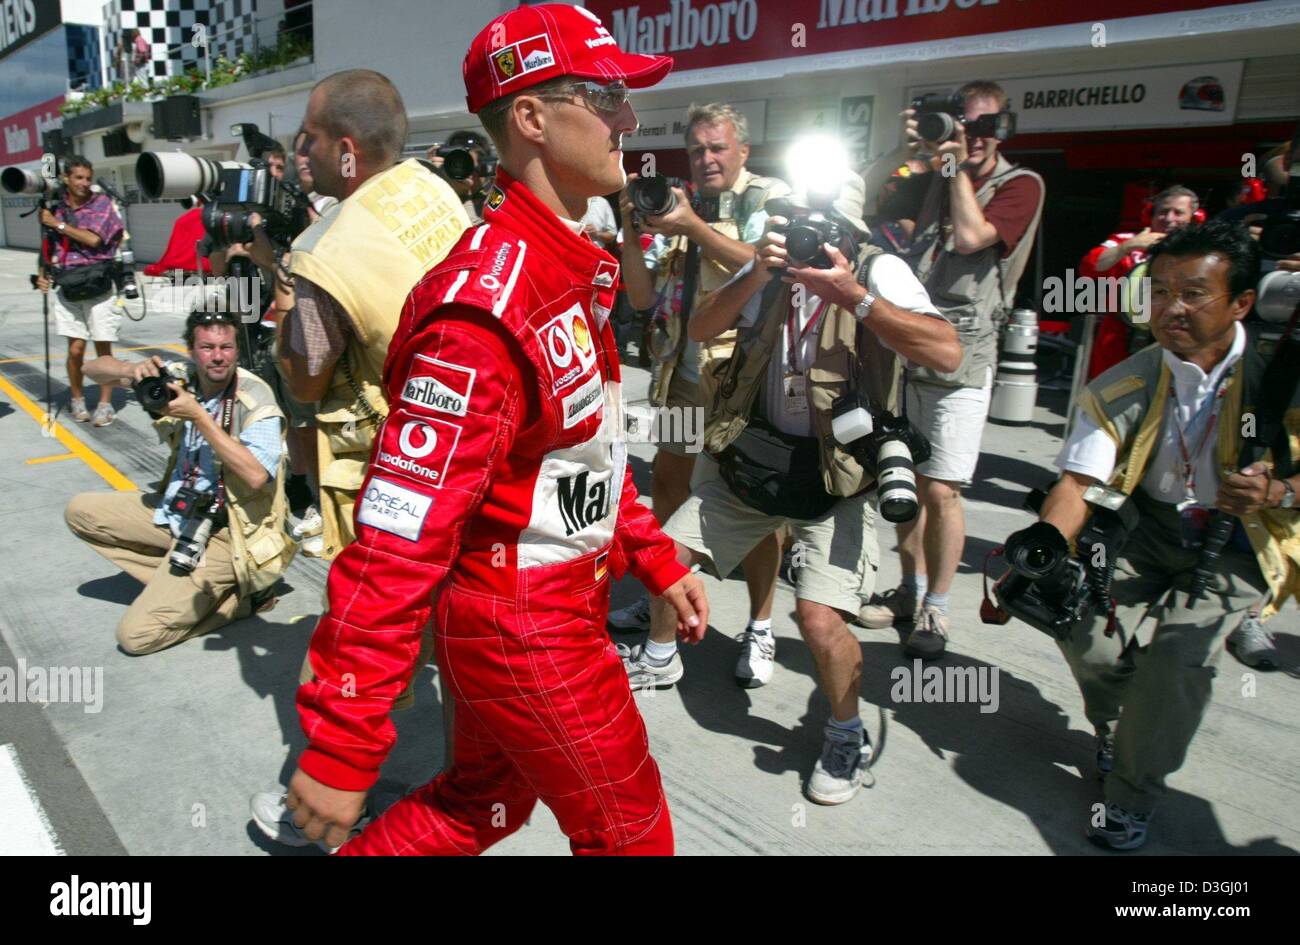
(368, 253)
(1128, 402)
(261, 551)
(752, 192)
(973, 291)
(846, 354)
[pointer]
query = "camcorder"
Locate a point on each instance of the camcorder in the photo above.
(653, 197)
(806, 229)
(1051, 589)
(887, 444)
(199, 520)
(231, 191)
(939, 114)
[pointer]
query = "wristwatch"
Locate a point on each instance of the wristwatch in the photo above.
(863, 308)
(61, 227)
(1288, 498)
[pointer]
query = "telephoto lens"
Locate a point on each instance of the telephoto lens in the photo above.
(129, 287)
(896, 480)
(652, 196)
(188, 550)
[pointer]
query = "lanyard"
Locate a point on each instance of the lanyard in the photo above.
(1213, 404)
(795, 336)
(194, 444)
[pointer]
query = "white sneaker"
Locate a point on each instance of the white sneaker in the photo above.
(644, 673)
(634, 618)
(754, 667)
(839, 771)
(310, 525)
(275, 820)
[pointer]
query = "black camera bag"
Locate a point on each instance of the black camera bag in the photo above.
(80, 283)
(776, 473)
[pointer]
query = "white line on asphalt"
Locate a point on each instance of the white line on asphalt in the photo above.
(24, 828)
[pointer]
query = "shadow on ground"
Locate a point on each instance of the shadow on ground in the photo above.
(1025, 755)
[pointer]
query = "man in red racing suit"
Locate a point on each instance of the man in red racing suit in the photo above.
(501, 468)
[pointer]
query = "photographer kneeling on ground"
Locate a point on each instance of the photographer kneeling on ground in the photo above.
(829, 328)
(1165, 427)
(210, 549)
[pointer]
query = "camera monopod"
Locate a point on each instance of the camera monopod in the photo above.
(1276, 390)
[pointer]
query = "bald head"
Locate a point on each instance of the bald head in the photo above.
(365, 106)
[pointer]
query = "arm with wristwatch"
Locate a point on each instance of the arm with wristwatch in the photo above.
(927, 341)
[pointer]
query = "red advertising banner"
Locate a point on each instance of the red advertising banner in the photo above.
(702, 34)
(21, 140)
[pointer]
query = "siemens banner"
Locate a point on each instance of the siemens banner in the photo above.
(22, 21)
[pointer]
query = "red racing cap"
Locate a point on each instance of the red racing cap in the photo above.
(532, 44)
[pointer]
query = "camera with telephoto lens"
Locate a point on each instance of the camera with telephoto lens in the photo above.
(232, 191)
(938, 116)
(198, 523)
(653, 197)
(21, 180)
(806, 229)
(1049, 588)
(124, 274)
(889, 445)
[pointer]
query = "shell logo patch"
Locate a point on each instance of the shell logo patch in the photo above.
(581, 335)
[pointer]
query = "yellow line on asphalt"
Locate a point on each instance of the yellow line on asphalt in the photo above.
(107, 471)
(56, 355)
(51, 459)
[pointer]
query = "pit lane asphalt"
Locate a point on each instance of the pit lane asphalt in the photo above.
(186, 735)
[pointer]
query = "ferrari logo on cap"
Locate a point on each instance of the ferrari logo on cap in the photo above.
(505, 62)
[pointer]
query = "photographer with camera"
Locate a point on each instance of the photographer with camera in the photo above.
(211, 548)
(802, 434)
(339, 296)
(975, 228)
(467, 162)
(700, 241)
(1166, 428)
(85, 229)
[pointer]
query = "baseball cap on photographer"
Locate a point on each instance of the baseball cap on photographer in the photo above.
(532, 44)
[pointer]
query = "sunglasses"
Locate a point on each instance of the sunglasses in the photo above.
(602, 97)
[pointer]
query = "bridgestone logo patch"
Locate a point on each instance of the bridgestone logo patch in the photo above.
(583, 402)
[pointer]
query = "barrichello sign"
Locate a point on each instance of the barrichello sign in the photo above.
(1197, 94)
(706, 34)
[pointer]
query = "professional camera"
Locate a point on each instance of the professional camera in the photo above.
(887, 444)
(153, 393)
(195, 508)
(1048, 588)
(460, 163)
(20, 180)
(232, 191)
(653, 197)
(807, 229)
(938, 116)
